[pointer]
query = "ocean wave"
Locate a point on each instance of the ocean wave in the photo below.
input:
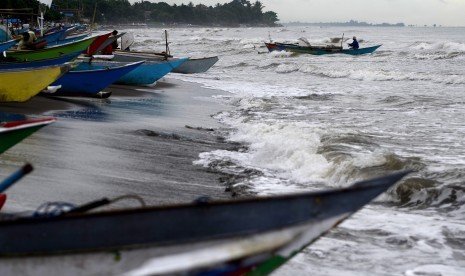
(385, 75)
(437, 50)
(430, 191)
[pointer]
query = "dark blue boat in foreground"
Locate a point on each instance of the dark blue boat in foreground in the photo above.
(269, 230)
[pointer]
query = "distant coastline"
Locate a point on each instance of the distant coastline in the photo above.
(353, 23)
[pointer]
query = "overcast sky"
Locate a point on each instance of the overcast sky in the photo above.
(415, 12)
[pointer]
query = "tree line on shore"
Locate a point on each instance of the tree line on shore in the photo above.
(234, 13)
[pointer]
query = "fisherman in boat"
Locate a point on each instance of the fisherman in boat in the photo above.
(29, 38)
(354, 44)
(114, 45)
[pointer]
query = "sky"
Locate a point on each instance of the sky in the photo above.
(410, 12)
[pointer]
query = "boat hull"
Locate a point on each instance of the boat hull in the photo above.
(8, 44)
(39, 63)
(12, 133)
(196, 65)
(146, 74)
(270, 230)
(179, 224)
(87, 80)
(52, 37)
(51, 52)
(318, 50)
(19, 85)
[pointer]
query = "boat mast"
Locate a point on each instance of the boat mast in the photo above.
(93, 18)
(167, 49)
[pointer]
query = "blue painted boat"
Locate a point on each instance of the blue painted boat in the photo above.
(52, 37)
(89, 80)
(70, 39)
(38, 63)
(8, 44)
(318, 50)
(146, 74)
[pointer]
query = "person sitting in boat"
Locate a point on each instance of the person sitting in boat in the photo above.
(29, 38)
(354, 44)
(114, 45)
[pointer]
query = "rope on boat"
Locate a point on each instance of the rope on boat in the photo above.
(136, 197)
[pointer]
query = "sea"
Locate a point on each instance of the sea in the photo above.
(309, 123)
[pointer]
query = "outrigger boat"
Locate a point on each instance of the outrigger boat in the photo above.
(89, 81)
(318, 50)
(8, 44)
(14, 132)
(11, 179)
(196, 65)
(51, 52)
(231, 237)
(19, 85)
(147, 74)
(4, 65)
(191, 66)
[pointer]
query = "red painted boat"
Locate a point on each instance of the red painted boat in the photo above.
(96, 44)
(2, 200)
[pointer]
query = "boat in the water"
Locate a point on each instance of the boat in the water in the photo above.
(89, 81)
(262, 233)
(19, 85)
(318, 50)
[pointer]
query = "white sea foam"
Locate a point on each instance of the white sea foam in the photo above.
(405, 100)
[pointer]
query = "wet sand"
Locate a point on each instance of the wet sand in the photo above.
(140, 141)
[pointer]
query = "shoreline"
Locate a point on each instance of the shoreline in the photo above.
(141, 140)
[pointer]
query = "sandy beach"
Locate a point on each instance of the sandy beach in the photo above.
(140, 141)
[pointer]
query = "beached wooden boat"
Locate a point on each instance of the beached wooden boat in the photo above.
(92, 49)
(8, 44)
(191, 66)
(79, 242)
(318, 50)
(51, 52)
(87, 80)
(146, 74)
(4, 65)
(196, 65)
(52, 37)
(19, 85)
(110, 40)
(14, 132)
(70, 39)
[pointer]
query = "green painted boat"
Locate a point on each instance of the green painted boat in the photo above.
(12, 133)
(51, 52)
